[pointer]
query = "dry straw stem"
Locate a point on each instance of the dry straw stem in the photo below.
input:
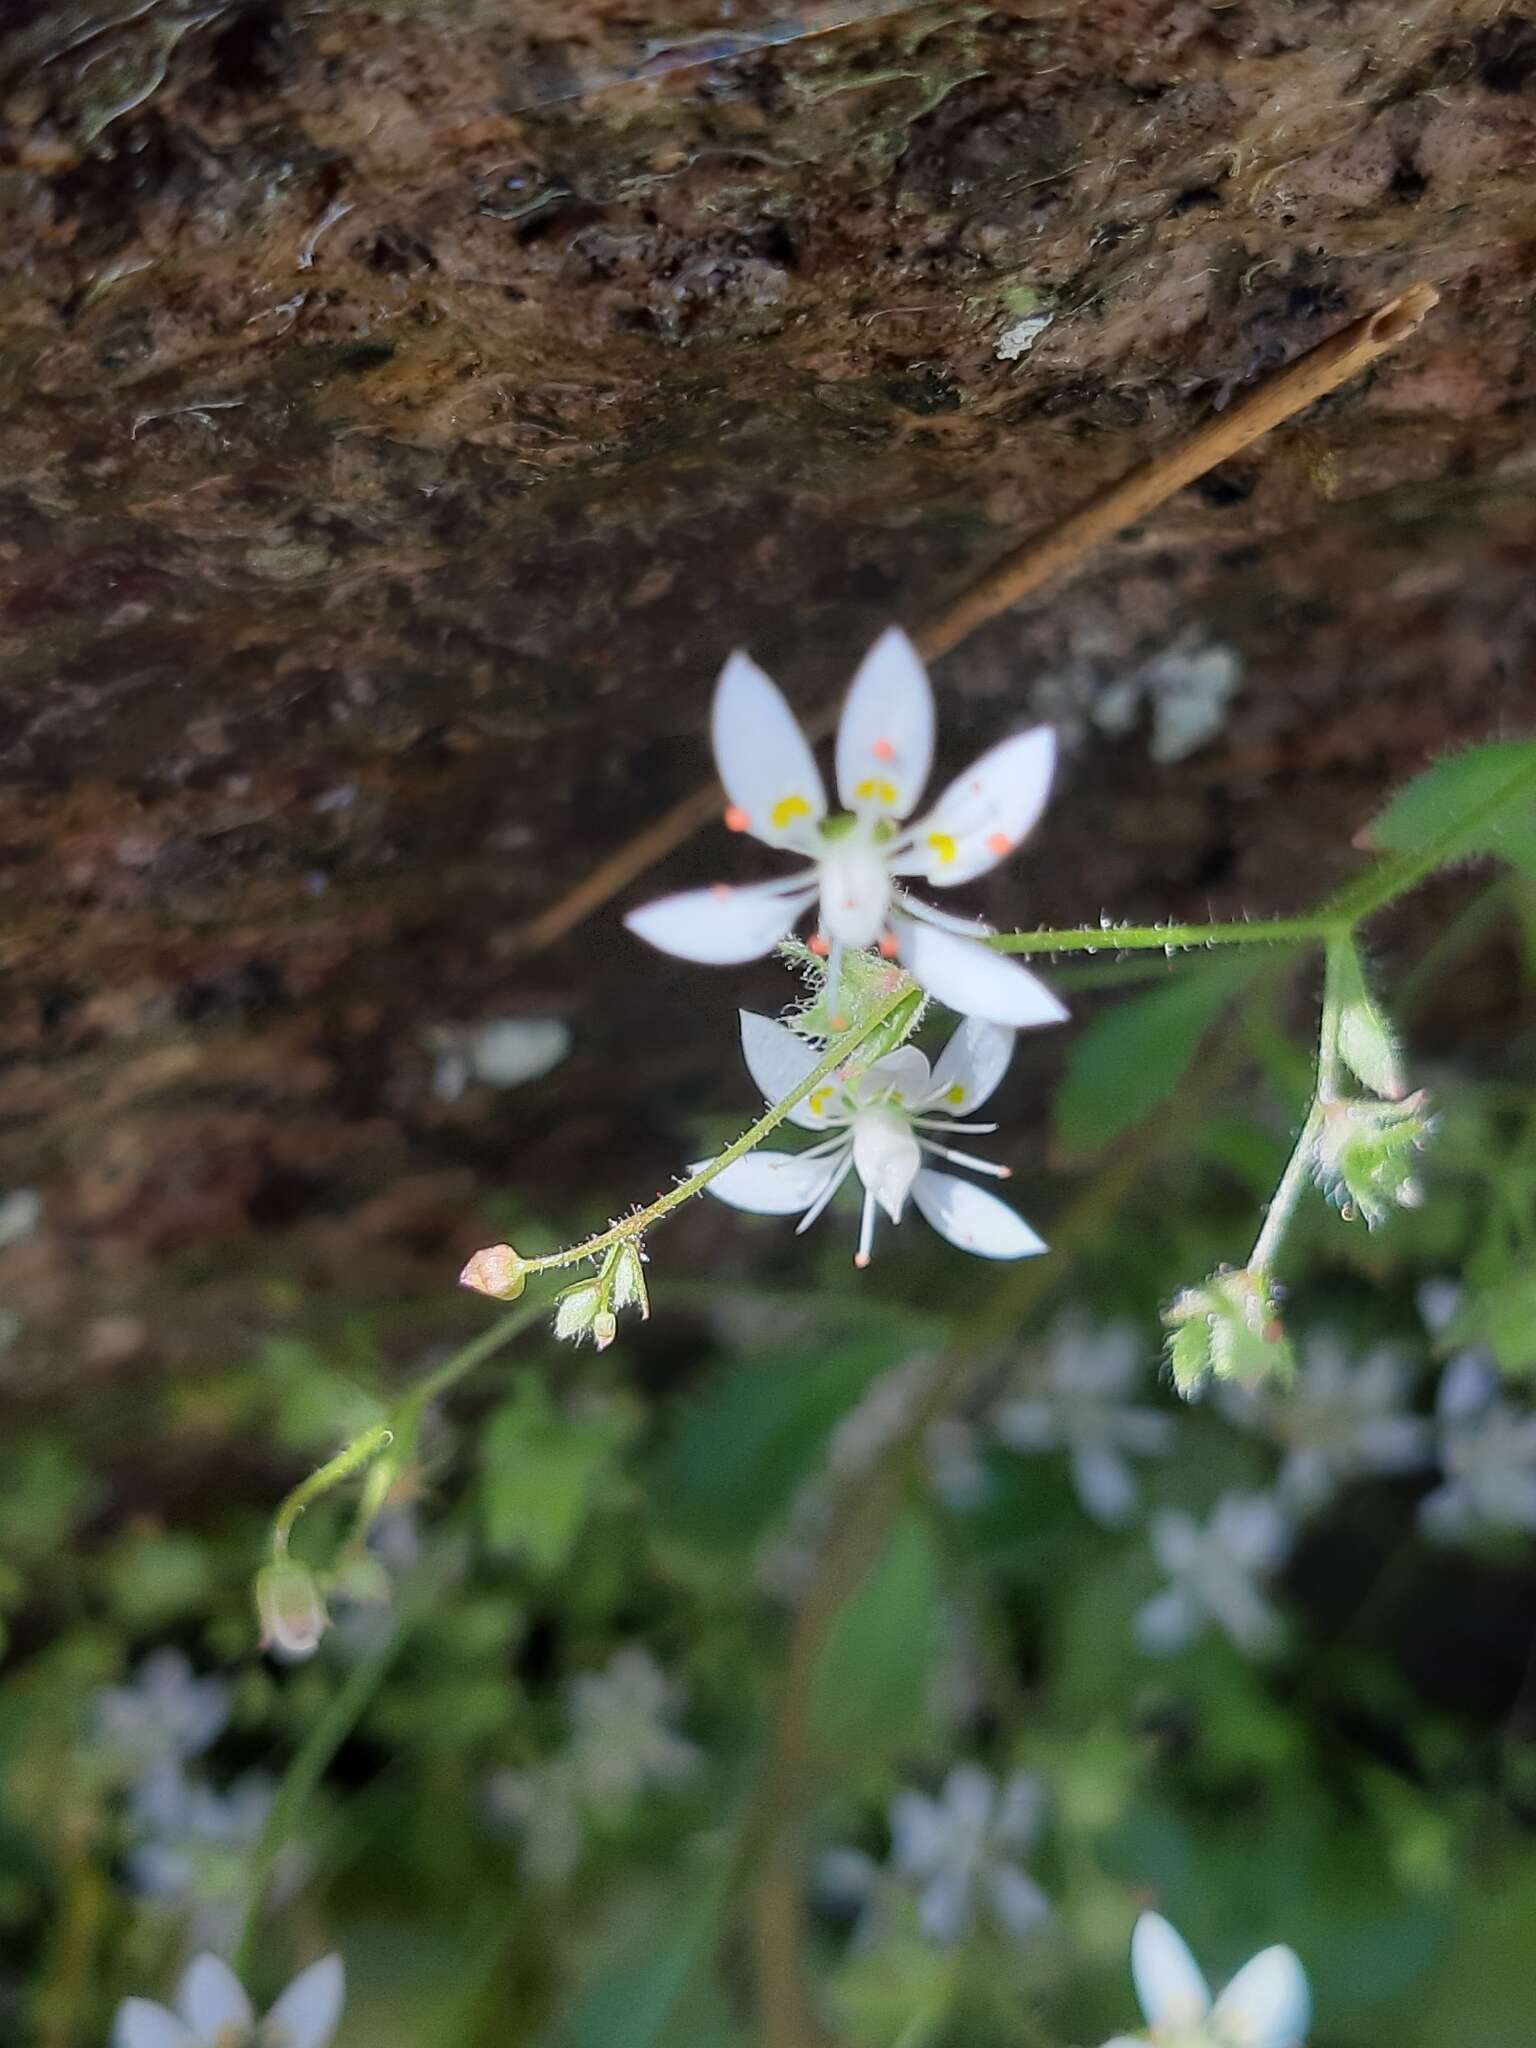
(1034, 562)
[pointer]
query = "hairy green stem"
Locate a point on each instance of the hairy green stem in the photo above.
(894, 1014)
(326, 1733)
(350, 1459)
(1166, 938)
(1282, 1204)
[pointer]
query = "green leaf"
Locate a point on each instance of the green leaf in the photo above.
(541, 1470)
(651, 1995)
(738, 1452)
(1133, 1056)
(1367, 1044)
(1464, 786)
(871, 1687)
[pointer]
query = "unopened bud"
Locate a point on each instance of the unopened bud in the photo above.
(1367, 1153)
(577, 1311)
(496, 1271)
(1228, 1328)
(605, 1327)
(291, 1611)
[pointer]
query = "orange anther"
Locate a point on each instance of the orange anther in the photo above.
(818, 946)
(720, 891)
(838, 1023)
(999, 843)
(861, 1260)
(736, 819)
(887, 945)
(883, 750)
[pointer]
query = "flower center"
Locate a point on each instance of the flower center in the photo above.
(855, 890)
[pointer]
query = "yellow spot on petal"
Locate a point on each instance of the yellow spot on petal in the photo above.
(954, 1093)
(875, 789)
(943, 844)
(818, 1100)
(788, 808)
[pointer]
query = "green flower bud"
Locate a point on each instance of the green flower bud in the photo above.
(496, 1271)
(1228, 1328)
(577, 1310)
(628, 1279)
(290, 1609)
(1367, 1154)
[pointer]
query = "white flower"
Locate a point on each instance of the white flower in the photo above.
(212, 2011)
(883, 1118)
(1488, 1451)
(620, 1738)
(1079, 1405)
(1266, 2005)
(1213, 1573)
(1336, 1421)
(164, 1713)
(860, 856)
(968, 1842)
(193, 1846)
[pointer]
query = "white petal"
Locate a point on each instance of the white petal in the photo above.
(1467, 1386)
(1022, 1908)
(972, 1219)
(945, 1906)
(778, 1060)
(1267, 2004)
(774, 1183)
(987, 811)
(972, 979)
(855, 892)
(902, 1074)
(885, 736)
(211, 1998)
(969, 1796)
(886, 1156)
(970, 1066)
(1252, 1529)
(1104, 1485)
(1168, 1982)
(1127, 2041)
(721, 926)
(1167, 1623)
(309, 2011)
(141, 2024)
(918, 1834)
(768, 769)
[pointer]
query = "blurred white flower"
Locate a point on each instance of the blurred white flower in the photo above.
(621, 1741)
(957, 1850)
(20, 1213)
(165, 1712)
(883, 1118)
(1487, 1451)
(1336, 1421)
(543, 1807)
(1079, 1402)
(860, 856)
(1214, 1572)
(1266, 2005)
(505, 1052)
(212, 2011)
(192, 1848)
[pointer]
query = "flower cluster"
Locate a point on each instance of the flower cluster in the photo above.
(882, 1117)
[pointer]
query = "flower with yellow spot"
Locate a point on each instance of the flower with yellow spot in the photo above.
(881, 1119)
(861, 856)
(212, 2011)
